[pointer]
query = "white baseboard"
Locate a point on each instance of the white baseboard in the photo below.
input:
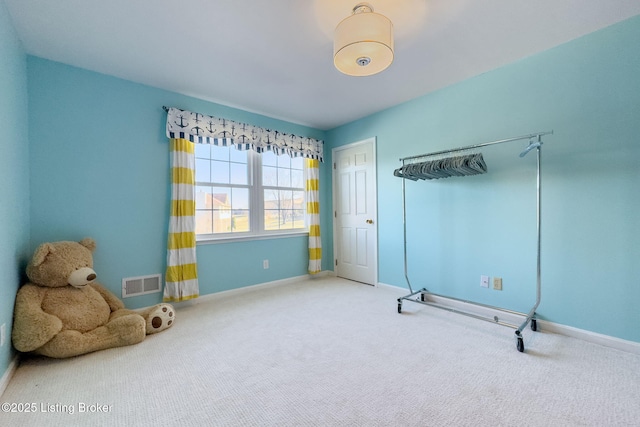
(556, 328)
(8, 374)
(592, 337)
(250, 288)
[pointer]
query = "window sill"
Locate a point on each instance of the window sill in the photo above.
(216, 240)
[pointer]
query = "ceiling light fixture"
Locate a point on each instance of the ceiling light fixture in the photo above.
(363, 42)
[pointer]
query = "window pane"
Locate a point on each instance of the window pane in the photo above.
(239, 173)
(297, 178)
(240, 198)
(203, 222)
(298, 200)
(203, 197)
(220, 172)
(202, 151)
(237, 156)
(269, 159)
(297, 163)
(286, 199)
(203, 170)
(240, 220)
(269, 176)
(221, 198)
(271, 219)
(284, 161)
(286, 219)
(220, 153)
(284, 177)
(271, 199)
(298, 219)
(222, 221)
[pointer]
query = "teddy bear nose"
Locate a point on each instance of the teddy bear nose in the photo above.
(81, 277)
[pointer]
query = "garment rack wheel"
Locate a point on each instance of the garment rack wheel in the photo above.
(399, 306)
(534, 325)
(519, 342)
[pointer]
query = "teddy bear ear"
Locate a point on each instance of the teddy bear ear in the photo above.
(88, 243)
(41, 253)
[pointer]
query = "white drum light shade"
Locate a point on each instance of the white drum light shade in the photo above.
(363, 42)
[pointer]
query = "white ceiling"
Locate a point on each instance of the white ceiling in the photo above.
(275, 57)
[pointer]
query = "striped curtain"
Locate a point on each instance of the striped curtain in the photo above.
(182, 272)
(313, 214)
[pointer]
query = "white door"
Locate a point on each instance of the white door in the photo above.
(355, 214)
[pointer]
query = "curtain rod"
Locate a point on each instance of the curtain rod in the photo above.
(484, 144)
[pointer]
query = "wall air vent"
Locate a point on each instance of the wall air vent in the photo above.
(134, 286)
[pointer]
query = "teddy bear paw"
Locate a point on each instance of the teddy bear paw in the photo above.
(160, 318)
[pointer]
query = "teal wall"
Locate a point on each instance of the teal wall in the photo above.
(588, 92)
(14, 175)
(100, 167)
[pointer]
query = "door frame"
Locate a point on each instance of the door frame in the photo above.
(373, 142)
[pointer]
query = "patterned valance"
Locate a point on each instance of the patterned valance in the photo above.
(203, 129)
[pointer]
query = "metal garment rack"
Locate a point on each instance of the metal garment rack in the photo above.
(535, 142)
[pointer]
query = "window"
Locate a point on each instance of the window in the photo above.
(244, 193)
(283, 192)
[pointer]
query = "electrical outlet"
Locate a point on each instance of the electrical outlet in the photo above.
(484, 281)
(3, 334)
(265, 264)
(497, 283)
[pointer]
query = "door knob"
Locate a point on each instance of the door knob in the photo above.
(369, 221)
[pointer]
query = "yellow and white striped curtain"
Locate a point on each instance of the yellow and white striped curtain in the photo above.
(313, 214)
(182, 271)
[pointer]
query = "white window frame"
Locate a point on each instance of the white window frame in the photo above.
(256, 208)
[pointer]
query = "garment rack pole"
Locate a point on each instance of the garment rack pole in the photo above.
(484, 144)
(530, 318)
(404, 227)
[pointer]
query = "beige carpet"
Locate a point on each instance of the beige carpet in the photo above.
(330, 352)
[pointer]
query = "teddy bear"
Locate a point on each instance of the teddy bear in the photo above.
(63, 312)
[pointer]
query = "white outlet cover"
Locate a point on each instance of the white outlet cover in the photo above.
(484, 281)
